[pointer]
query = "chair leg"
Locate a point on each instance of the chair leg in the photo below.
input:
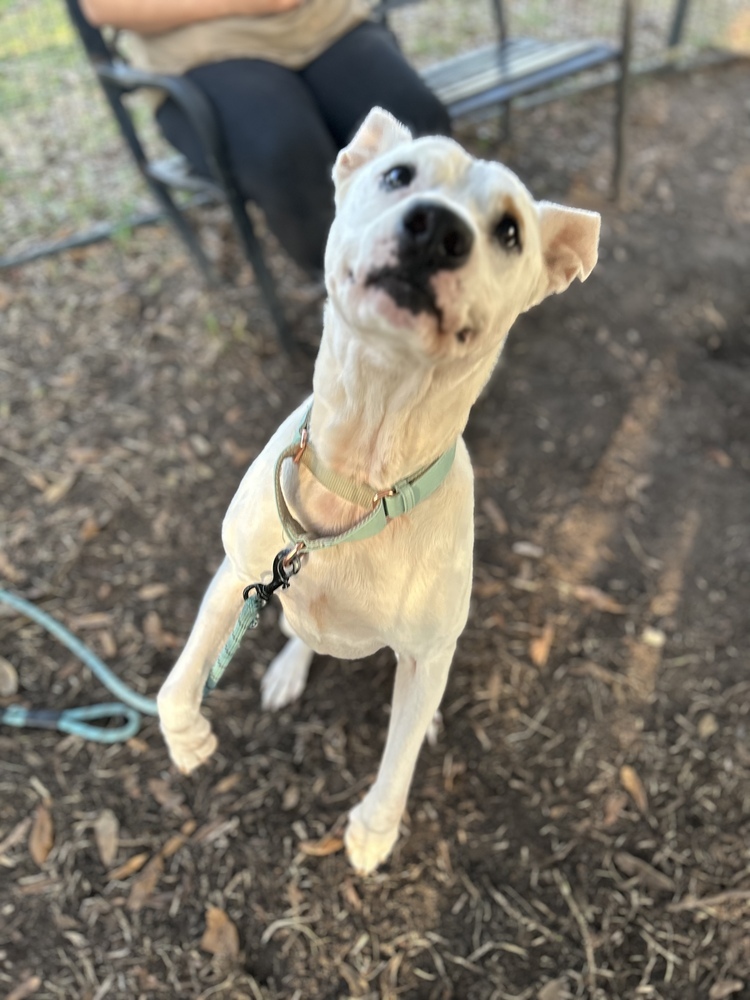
(254, 253)
(623, 92)
(184, 230)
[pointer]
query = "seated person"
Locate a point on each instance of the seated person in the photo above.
(290, 81)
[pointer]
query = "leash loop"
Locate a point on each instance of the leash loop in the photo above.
(76, 720)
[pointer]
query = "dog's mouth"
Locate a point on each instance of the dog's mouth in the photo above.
(408, 290)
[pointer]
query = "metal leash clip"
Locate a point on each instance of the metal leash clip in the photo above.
(286, 565)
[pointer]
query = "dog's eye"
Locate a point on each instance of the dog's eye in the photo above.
(507, 232)
(398, 177)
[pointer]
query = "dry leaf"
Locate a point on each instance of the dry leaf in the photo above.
(555, 989)
(634, 787)
(130, 867)
(220, 936)
(8, 570)
(540, 647)
(89, 529)
(107, 836)
(329, 843)
(598, 599)
(723, 988)
(227, 784)
(488, 588)
(613, 807)
(720, 458)
(42, 836)
(8, 678)
(25, 989)
(707, 726)
(290, 799)
(145, 884)
(150, 591)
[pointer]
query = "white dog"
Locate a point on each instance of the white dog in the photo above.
(432, 256)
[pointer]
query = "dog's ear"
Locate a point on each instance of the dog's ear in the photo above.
(378, 133)
(570, 241)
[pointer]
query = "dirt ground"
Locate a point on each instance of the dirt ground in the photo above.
(582, 828)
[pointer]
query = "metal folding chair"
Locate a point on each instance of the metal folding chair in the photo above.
(117, 78)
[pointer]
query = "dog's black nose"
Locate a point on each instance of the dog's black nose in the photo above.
(435, 236)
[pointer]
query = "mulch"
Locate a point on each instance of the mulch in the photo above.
(582, 827)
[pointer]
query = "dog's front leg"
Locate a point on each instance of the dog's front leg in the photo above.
(373, 824)
(187, 733)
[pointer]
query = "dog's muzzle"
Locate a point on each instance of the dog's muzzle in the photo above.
(431, 238)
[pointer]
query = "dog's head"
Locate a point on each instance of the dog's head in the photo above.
(438, 251)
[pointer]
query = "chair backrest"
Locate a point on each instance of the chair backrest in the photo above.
(93, 39)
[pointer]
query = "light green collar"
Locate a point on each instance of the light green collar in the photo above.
(384, 505)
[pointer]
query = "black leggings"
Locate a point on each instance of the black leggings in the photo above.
(283, 128)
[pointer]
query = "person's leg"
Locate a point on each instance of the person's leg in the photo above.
(366, 68)
(279, 148)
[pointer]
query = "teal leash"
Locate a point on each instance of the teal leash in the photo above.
(286, 565)
(77, 721)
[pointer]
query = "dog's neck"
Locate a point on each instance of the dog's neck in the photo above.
(380, 414)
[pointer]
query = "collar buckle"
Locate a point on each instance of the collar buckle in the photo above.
(297, 457)
(382, 495)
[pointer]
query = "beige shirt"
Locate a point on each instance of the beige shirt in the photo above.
(292, 39)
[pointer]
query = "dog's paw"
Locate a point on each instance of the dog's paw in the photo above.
(192, 747)
(366, 848)
(285, 679)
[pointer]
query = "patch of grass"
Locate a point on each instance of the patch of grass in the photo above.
(33, 28)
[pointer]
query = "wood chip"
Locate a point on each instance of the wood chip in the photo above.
(495, 516)
(528, 550)
(351, 896)
(16, 835)
(330, 843)
(157, 635)
(649, 876)
(42, 836)
(107, 836)
(220, 936)
(634, 787)
(60, 488)
(598, 599)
